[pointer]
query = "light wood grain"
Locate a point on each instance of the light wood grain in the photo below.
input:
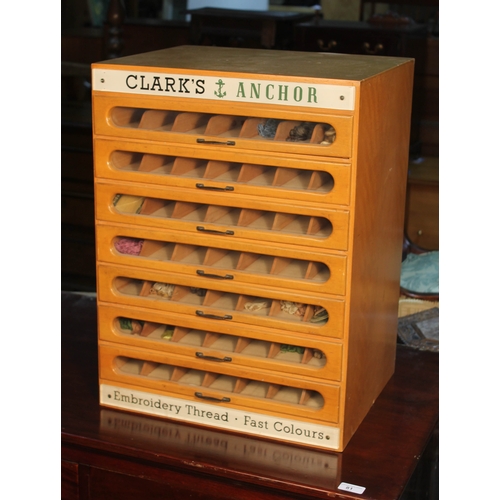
(287, 231)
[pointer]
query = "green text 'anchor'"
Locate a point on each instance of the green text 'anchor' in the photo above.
(219, 92)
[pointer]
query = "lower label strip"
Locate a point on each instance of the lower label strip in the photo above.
(283, 429)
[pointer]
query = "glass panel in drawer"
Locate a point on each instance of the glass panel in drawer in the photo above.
(210, 215)
(222, 301)
(220, 342)
(233, 126)
(221, 384)
(228, 174)
(213, 260)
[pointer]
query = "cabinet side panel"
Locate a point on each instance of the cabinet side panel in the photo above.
(381, 172)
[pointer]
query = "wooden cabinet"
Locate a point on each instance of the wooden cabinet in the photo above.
(249, 224)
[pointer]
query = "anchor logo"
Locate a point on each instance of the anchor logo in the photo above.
(219, 92)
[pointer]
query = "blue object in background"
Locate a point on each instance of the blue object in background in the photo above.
(420, 272)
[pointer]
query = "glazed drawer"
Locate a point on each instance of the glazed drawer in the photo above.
(223, 171)
(210, 215)
(221, 343)
(222, 301)
(211, 259)
(223, 385)
(233, 126)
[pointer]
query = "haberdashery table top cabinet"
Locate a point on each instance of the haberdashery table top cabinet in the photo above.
(249, 225)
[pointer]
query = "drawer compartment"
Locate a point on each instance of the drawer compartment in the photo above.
(214, 260)
(220, 342)
(202, 169)
(221, 385)
(234, 126)
(222, 301)
(209, 215)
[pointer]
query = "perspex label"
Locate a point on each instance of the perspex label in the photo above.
(275, 92)
(221, 417)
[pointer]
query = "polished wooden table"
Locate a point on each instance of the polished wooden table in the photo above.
(111, 454)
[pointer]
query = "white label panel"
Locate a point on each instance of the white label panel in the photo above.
(284, 429)
(244, 90)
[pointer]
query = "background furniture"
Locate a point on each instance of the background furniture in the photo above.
(79, 48)
(422, 204)
(82, 44)
(244, 28)
(429, 122)
(113, 454)
(421, 12)
(418, 10)
(360, 37)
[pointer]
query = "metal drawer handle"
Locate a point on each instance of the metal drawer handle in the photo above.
(214, 358)
(213, 316)
(215, 276)
(330, 46)
(377, 49)
(226, 143)
(202, 228)
(199, 185)
(209, 398)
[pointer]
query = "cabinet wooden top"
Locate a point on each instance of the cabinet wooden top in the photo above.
(260, 61)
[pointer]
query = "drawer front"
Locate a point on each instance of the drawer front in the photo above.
(212, 259)
(233, 126)
(220, 343)
(222, 301)
(211, 215)
(223, 171)
(231, 387)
